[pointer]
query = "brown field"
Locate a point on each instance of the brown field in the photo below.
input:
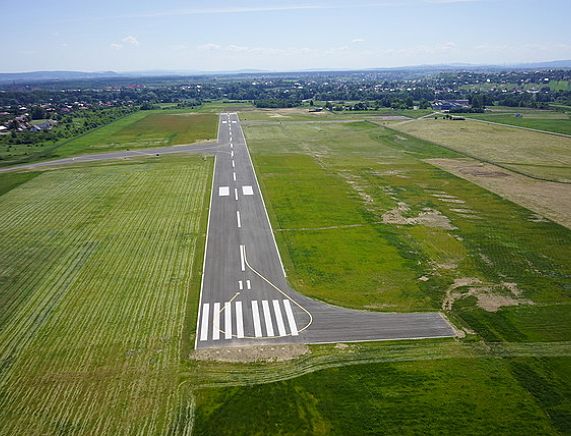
(537, 154)
(549, 199)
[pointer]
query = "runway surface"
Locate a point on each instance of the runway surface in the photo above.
(245, 298)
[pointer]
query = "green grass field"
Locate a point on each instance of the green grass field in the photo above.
(328, 187)
(146, 129)
(97, 273)
(540, 120)
(453, 396)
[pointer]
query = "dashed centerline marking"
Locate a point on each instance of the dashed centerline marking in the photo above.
(234, 176)
(242, 261)
(238, 219)
(236, 194)
(233, 164)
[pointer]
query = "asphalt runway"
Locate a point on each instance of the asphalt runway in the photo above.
(245, 298)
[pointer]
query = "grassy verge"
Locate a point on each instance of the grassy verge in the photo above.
(146, 129)
(97, 263)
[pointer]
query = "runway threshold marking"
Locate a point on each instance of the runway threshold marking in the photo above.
(279, 318)
(240, 284)
(204, 325)
(268, 318)
(216, 322)
(239, 320)
(228, 320)
(248, 284)
(256, 315)
(290, 318)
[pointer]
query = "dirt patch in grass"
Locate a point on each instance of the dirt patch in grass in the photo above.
(547, 199)
(428, 217)
(256, 353)
(490, 297)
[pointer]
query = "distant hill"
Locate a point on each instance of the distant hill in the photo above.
(46, 76)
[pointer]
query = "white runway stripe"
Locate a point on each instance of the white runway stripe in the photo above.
(234, 176)
(238, 219)
(290, 318)
(216, 322)
(256, 316)
(279, 318)
(248, 284)
(227, 320)
(204, 324)
(268, 318)
(242, 255)
(239, 320)
(240, 284)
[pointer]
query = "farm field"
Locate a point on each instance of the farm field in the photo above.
(146, 129)
(100, 270)
(556, 122)
(531, 153)
(549, 199)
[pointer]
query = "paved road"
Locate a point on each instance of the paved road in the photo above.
(245, 297)
(208, 147)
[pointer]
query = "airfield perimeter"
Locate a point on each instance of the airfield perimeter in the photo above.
(245, 298)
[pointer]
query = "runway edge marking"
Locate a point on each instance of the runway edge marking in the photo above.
(205, 252)
(262, 197)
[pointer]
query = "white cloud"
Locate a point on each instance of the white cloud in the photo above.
(358, 41)
(116, 46)
(131, 40)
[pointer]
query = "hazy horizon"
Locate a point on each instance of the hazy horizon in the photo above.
(281, 36)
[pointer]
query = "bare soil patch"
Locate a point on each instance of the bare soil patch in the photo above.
(551, 200)
(490, 297)
(428, 217)
(256, 353)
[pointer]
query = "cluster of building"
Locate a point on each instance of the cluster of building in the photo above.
(448, 105)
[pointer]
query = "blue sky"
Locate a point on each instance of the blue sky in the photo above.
(278, 35)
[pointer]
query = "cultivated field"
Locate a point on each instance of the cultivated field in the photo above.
(146, 129)
(557, 122)
(97, 273)
(532, 153)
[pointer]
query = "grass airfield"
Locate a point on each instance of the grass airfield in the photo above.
(100, 275)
